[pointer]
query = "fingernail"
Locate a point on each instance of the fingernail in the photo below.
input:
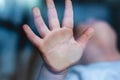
(51, 4)
(91, 32)
(36, 12)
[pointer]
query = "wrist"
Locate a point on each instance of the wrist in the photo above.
(47, 74)
(54, 71)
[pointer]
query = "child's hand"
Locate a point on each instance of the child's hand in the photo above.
(59, 48)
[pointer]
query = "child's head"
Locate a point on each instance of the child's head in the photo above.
(103, 40)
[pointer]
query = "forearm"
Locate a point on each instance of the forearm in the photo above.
(45, 74)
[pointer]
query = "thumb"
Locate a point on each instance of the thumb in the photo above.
(87, 34)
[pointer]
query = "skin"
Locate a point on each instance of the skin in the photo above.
(59, 48)
(102, 46)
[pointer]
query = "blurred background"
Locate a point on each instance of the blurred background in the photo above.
(19, 60)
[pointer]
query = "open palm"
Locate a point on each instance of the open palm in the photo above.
(59, 48)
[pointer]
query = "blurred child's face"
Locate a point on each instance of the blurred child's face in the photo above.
(104, 35)
(104, 38)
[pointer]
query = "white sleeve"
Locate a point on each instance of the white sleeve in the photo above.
(96, 72)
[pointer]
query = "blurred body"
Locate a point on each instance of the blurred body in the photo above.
(60, 50)
(101, 59)
(102, 47)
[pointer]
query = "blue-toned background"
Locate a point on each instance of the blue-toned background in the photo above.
(19, 60)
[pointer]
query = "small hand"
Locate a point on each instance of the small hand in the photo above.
(59, 48)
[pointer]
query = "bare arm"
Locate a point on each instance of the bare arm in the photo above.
(59, 48)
